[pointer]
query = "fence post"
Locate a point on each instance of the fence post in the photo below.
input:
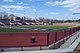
(21, 48)
(59, 44)
(2, 50)
(64, 37)
(47, 39)
(40, 47)
(55, 40)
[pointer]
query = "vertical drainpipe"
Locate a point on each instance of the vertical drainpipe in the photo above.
(55, 40)
(55, 37)
(64, 36)
(47, 39)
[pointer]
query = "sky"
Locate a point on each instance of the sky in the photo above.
(52, 9)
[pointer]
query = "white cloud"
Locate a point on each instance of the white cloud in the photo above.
(17, 7)
(34, 0)
(66, 15)
(53, 13)
(75, 8)
(72, 5)
(31, 10)
(16, 14)
(8, 0)
(70, 1)
(21, 3)
(21, 9)
(30, 0)
(51, 3)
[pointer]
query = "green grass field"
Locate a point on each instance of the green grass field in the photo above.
(46, 27)
(10, 30)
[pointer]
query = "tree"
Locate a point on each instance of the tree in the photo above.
(28, 18)
(5, 15)
(11, 16)
(44, 20)
(22, 19)
(18, 18)
(68, 21)
(79, 20)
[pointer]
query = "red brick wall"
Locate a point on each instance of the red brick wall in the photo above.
(60, 35)
(32, 31)
(51, 37)
(66, 32)
(71, 31)
(22, 39)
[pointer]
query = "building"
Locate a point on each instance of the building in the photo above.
(4, 15)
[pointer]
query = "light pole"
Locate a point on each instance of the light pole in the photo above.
(36, 17)
(10, 18)
(10, 21)
(24, 16)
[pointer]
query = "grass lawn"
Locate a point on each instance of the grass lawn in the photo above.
(47, 27)
(10, 30)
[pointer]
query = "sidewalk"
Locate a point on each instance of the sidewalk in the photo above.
(70, 41)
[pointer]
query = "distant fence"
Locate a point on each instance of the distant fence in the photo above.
(23, 39)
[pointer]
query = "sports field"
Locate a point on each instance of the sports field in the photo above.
(10, 30)
(54, 27)
(47, 27)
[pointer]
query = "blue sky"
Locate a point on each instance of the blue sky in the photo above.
(53, 9)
